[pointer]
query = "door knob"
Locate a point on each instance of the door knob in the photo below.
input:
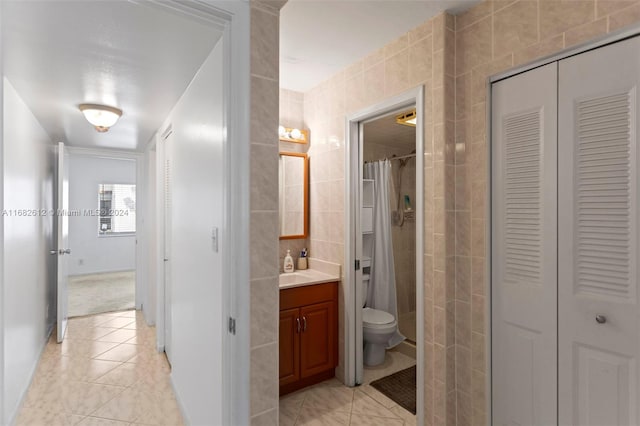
(53, 252)
(601, 319)
(64, 251)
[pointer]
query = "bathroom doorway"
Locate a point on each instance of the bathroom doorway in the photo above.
(385, 246)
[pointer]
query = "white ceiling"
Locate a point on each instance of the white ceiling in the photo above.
(385, 131)
(320, 37)
(59, 54)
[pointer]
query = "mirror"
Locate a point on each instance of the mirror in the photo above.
(293, 185)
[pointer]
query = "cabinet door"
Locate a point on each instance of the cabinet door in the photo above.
(599, 222)
(289, 346)
(317, 345)
(524, 256)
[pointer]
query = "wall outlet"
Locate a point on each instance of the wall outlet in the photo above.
(80, 262)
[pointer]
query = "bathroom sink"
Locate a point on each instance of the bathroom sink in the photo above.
(306, 277)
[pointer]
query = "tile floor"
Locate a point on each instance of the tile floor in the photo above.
(105, 373)
(332, 403)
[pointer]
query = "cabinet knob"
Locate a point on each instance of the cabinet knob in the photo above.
(601, 319)
(298, 322)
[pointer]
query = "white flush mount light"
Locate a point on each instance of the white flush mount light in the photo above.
(100, 116)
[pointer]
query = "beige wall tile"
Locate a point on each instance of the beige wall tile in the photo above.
(463, 278)
(473, 46)
(624, 17)
(264, 236)
(420, 64)
(543, 48)
(463, 324)
(478, 314)
(478, 242)
(421, 31)
(463, 368)
(608, 7)
(478, 345)
(464, 413)
(264, 177)
(557, 16)
(264, 318)
(474, 14)
(463, 233)
(396, 46)
(397, 73)
(585, 32)
(515, 27)
(264, 378)
(374, 83)
(264, 111)
(478, 282)
(373, 58)
(264, 44)
(269, 418)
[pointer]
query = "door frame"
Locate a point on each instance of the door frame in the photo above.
(233, 20)
(141, 295)
(353, 292)
(601, 41)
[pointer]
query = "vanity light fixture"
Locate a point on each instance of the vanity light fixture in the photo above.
(407, 118)
(100, 116)
(287, 134)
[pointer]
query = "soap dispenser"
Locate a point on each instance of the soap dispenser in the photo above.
(288, 262)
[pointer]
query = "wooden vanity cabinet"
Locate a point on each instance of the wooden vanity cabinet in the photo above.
(308, 335)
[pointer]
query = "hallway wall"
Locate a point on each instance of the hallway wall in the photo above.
(195, 268)
(97, 253)
(28, 304)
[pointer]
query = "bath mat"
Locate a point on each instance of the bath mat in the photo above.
(400, 387)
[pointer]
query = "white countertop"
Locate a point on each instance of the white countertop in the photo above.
(306, 277)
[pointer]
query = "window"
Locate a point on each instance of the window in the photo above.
(117, 208)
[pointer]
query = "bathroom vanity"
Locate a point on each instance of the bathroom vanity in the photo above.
(308, 329)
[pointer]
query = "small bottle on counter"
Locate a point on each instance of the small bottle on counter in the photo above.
(288, 262)
(302, 260)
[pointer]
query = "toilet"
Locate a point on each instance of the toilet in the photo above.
(377, 328)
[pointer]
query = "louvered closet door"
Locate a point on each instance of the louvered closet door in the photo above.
(598, 237)
(524, 281)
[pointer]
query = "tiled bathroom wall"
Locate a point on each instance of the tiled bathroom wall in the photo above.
(292, 116)
(264, 213)
(417, 58)
(490, 38)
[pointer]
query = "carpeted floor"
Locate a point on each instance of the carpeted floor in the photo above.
(98, 293)
(400, 387)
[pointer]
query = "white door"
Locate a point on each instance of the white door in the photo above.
(63, 239)
(524, 302)
(167, 246)
(598, 237)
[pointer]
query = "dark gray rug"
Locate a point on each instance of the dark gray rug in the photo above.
(400, 387)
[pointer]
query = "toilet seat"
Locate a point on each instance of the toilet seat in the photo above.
(374, 318)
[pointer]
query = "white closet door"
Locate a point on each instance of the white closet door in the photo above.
(598, 237)
(524, 223)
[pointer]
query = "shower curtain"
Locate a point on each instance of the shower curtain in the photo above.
(382, 279)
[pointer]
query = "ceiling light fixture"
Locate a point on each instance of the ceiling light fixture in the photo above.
(100, 116)
(407, 118)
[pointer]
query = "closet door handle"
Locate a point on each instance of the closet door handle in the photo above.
(298, 321)
(304, 322)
